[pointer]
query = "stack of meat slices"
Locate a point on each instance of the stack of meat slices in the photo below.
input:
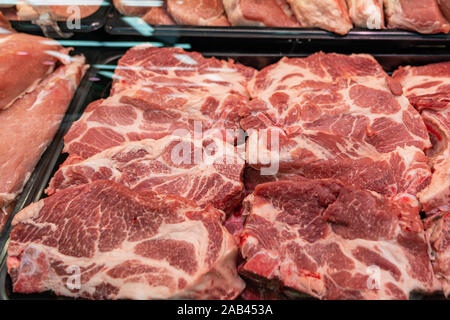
(155, 169)
(338, 161)
(333, 208)
(38, 82)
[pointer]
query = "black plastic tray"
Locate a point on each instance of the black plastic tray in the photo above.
(88, 24)
(89, 91)
(116, 25)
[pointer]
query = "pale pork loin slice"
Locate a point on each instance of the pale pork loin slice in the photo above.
(198, 12)
(132, 7)
(337, 117)
(428, 89)
(331, 15)
(157, 91)
(122, 245)
(207, 171)
(334, 242)
(366, 13)
(26, 60)
(438, 230)
(29, 125)
(422, 16)
(260, 13)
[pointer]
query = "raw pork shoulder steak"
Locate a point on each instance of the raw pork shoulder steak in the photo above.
(428, 89)
(206, 171)
(189, 75)
(198, 12)
(422, 16)
(122, 245)
(312, 236)
(157, 91)
(260, 13)
(338, 117)
(331, 15)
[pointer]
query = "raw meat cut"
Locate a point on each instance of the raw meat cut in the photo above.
(157, 91)
(29, 125)
(208, 171)
(438, 230)
(260, 13)
(366, 13)
(198, 12)
(25, 60)
(339, 117)
(189, 73)
(111, 122)
(130, 7)
(32, 10)
(158, 16)
(311, 236)
(428, 89)
(122, 245)
(444, 5)
(331, 15)
(421, 16)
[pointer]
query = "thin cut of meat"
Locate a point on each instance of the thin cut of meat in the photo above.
(25, 60)
(198, 12)
(112, 122)
(331, 15)
(438, 230)
(158, 16)
(157, 91)
(118, 119)
(444, 5)
(122, 245)
(29, 125)
(189, 73)
(312, 236)
(421, 16)
(208, 171)
(339, 117)
(132, 7)
(366, 13)
(428, 89)
(260, 13)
